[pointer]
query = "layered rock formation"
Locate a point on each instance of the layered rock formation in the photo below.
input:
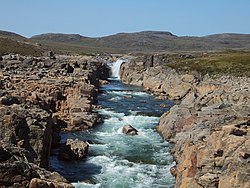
(39, 96)
(209, 125)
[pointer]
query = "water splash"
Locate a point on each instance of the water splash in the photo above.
(115, 68)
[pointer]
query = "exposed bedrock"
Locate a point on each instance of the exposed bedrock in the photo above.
(40, 96)
(210, 124)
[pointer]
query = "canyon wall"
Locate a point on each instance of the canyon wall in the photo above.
(209, 125)
(39, 97)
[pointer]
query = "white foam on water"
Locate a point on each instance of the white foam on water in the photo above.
(113, 125)
(133, 112)
(86, 185)
(98, 146)
(127, 93)
(141, 161)
(119, 131)
(123, 173)
(141, 121)
(116, 98)
(111, 113)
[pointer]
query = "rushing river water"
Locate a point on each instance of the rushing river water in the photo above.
(116, 160)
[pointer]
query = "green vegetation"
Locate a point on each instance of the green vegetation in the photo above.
(236, 63)
(8, 45)
(71, 48)
(148, 42)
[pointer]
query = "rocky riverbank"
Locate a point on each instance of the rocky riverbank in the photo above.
(209, 125)
(39, 97)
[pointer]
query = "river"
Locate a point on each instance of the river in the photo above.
(116, 160)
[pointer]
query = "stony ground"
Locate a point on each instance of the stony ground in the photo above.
(39, 97)
(209, 125)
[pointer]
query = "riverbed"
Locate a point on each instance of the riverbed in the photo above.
(117, 160)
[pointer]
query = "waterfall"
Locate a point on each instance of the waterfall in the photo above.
(115, 68)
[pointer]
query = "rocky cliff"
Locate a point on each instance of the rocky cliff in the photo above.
(209, 125)
(40, 96)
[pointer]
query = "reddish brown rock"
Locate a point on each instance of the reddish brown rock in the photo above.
(193, 167)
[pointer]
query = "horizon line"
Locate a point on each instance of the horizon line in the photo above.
(68, 33)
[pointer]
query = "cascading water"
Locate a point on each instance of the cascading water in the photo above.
(115, 68)
(116, 160)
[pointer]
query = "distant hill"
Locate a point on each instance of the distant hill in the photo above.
(138, 42)
(9, 45)
(14, 43)
(230, 39)
(60, 37)
(11, 34)
(151, 41)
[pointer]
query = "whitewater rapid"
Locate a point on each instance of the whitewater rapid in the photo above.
(116, 160)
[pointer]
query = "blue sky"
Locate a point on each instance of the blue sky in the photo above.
(104, 17)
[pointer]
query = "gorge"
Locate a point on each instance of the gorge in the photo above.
(208, 126)
(116, 159)
(124, 94)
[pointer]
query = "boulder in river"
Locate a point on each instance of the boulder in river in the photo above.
(73, 150)
(129, 130)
